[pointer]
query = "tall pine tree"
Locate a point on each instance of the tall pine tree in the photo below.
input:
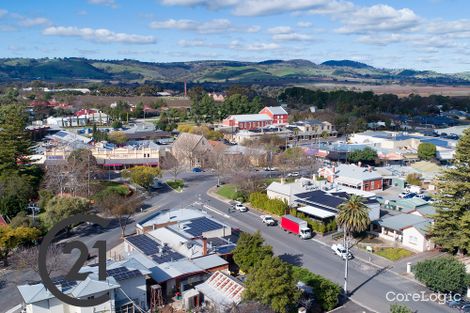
(15, 141)
(453, 202)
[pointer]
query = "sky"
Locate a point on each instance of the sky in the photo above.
(417, 34)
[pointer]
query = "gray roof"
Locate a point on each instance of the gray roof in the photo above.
(277, 110)
(209, 261)
(250, 117)
(356, 172)
(402, 221)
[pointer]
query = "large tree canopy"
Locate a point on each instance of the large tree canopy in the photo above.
(450, 229)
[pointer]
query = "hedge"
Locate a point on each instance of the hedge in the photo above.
(261, 201)
(443, 274)
(316, 226)
(325, 291)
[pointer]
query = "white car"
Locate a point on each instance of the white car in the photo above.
(340, 250)
(293, 174)
(268, 220)
(240, 207)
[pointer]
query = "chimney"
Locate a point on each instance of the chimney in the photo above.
(204, 246)
(185, 89)
(370, 168)
(359, 163)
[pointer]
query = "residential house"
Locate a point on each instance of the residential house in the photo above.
(311, 129)
(126, 287)
(191, 149)
(181, 248)
(351, 175)
(409, 230)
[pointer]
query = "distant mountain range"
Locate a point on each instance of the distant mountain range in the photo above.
(276, 72)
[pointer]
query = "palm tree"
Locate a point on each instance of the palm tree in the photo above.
(353, 216)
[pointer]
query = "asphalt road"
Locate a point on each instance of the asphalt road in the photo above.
(367, 284)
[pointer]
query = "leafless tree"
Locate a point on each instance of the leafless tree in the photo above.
(73, 176)
(218, 161)
(120, 207)
(27, 259)
(171, 164)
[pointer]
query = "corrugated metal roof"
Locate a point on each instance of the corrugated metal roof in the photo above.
(401, 221)
(277, 110)
(250, 117)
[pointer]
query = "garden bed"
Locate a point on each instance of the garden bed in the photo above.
(177, 184)
(393, 254)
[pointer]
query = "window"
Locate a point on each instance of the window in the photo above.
(413, 240)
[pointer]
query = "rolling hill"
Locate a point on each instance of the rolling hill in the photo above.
(214, 71)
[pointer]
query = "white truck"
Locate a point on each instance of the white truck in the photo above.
(340, 250)
(268, 220)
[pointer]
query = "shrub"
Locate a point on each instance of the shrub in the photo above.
(400, 308)
(444, 274)
(261, 201)
(326, 292)
(414, 179)
(175, 184)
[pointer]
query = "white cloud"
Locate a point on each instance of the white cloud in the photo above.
(211, 4)
(3, 13)
(258, 46)
(209, 27)
(292, 37)
(101, 35)
(303, 24)
(192, 43)
(108, 3)
(35, 21)
(378, 17)
(280, 30)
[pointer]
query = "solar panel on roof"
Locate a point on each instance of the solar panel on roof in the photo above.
(65, 284)
(200, 225)
(123, 273)
(144, 244)
(167, 256)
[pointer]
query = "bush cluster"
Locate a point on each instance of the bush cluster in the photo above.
(326, 292)
(260, 200)
(444, 274)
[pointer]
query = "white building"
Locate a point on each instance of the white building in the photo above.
(126, 287)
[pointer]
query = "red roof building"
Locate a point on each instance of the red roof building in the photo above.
(86, 112)
(277, 114)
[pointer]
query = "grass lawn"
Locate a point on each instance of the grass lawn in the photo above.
(394, 254)
(228, 191)
(176, 184)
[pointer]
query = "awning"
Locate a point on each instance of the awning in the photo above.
(113, 164)
(348, 181)
(320, 213)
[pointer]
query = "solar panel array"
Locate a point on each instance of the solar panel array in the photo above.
(144, 244)
(65, 285)
(200, 225)
(157, 252)
(168, 255)
(61, 134)
(123, 273)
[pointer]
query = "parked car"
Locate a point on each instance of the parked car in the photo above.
(293, 174)
(268, 220)
(156, 184)
(443, 135)
(406, 195)
(457, 304)
(340, 250)
(240, 207)
(296, 226)
(197, 169)
(413, 189)
(269, 169)
(465, 308)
